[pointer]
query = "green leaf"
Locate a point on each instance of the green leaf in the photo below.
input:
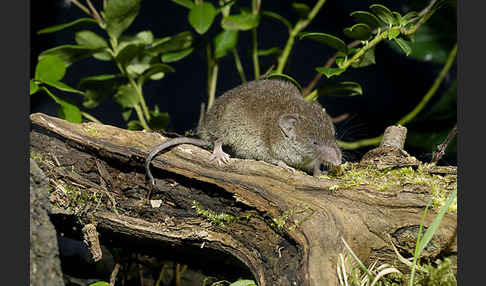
(243, 283)
(429, 45)
(242, 22)
(127, 113)
(271, 51)
(225, 42)
(141, 39)
(61, 86)
(344, 88)
(358, 31)
(202, 16)
(139, 64)
(397, 18)
(178, 42)
(128, 53)
(365, 60)
(367, 18)
(134, 125)
(100, 283)
(175, 56)
(341, 58)
(274, 75)
(71, 53)
(155, 72)
(186, 3)
(89, 38)
(275, 16)
(383, 13)
(119, 15)
(34, 87)
(403, 45)
(67, 110)
(407, 18)
(393, 33)
(145, 37)
(435, 224)
(326, 39)
(330, 72)
(301, 9)
(159, 120)
(98, 88)
(77, 22)
(51, 68)
(127, 96)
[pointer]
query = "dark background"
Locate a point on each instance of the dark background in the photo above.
(392, 87)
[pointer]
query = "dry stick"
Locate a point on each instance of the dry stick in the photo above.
(114, 273)
(82, 7)
(442, 147)
(95, 13)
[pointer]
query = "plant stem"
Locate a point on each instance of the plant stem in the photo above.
(360, 143)
(239, 67)
(425, 14)
(90, 117)
(450, 60)
(299, 26)
(141, 118)
(328, 64)
(212, 84)
(256, 63)
(255, 7)
(140, 95)
(212, 76)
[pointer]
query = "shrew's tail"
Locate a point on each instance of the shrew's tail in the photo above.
(170, 143)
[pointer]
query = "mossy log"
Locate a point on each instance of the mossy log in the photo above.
(286, 228)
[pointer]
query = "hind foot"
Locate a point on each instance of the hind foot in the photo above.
(219, 155)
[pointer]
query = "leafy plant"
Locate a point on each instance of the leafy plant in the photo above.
(138, 57)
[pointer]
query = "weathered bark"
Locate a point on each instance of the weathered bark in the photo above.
(288, 226)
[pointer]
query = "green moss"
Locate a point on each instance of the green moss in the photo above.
(281, 221)
(91, 130)
(216, 219)
(353, 175)
(76, 196)
(37, 157)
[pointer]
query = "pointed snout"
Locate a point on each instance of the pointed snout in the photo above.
(330, 153)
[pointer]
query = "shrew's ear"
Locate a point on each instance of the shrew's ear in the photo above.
(287, 124)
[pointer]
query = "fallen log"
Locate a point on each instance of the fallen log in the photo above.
(284, 228)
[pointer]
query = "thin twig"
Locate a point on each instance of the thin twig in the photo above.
(82, 7)
(328, 64)
(442, 147)
(114, 273)
(239, 66)
(96, 15)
